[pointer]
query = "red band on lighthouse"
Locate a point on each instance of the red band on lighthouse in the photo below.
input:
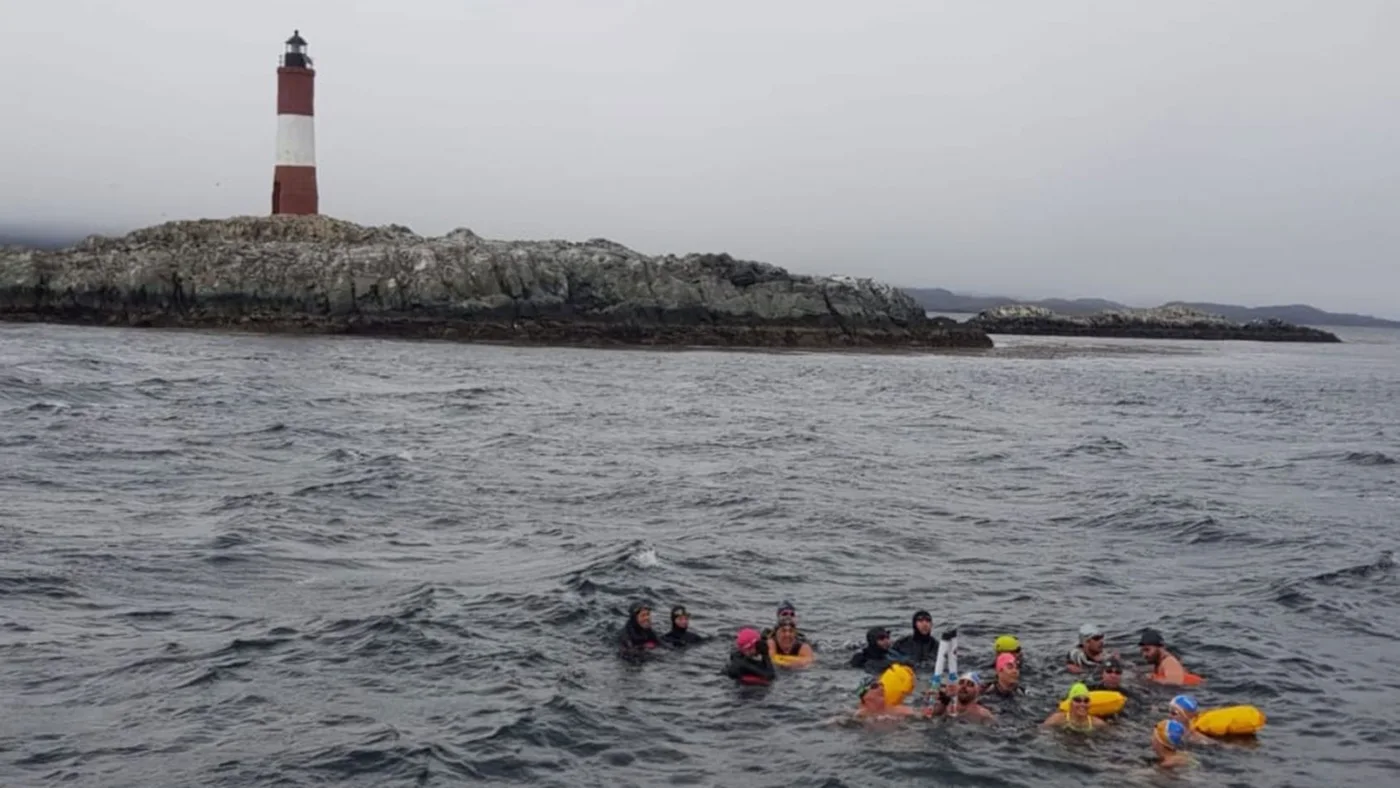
(294, 174)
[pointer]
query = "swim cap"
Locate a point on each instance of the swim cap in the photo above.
(678, 611)
(785, 608)
(1170, 733)
(971, 676)
(748, 637)
(1007, 643)
(1151, 637)
(867, 684)
(1186, 703)
(1089, 630)
(1005, 659)
(1076, 690)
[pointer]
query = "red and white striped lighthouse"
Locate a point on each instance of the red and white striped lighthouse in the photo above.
(294, 176)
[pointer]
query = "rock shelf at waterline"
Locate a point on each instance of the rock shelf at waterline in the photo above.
(1165, 322)
(317, 274)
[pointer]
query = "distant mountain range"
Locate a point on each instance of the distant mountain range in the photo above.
(939, 300)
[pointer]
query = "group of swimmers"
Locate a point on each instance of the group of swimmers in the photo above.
(758, 655)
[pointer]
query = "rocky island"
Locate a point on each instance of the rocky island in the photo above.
(317, 274)
(1164, 322)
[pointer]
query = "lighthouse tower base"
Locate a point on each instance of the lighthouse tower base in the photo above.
(294, 190)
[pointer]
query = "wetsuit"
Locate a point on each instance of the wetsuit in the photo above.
(757, 669)
(919, 648)
(636, 639)
(681, 637)
(875, 658)
(993, 691)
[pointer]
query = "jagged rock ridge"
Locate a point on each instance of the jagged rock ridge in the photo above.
(1165, 322)
(319, 274)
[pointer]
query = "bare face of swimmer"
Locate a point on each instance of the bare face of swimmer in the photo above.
(874, 698)
(923, 626)
(1112, 676)
(786, 634)
(1079, 707)
(644, 618)
(1152, 654)
(1093, 646)
(967, 691)
(1010, 673)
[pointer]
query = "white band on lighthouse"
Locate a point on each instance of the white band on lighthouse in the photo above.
(296, 141)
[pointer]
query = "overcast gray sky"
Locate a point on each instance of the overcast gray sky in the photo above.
(1228, 150)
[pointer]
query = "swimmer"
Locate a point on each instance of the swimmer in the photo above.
(877, 655)
(1078, 717)
(1089, 653)
(1007, 682)
(749, 663)
(637, 635)
(962, 700)
(1167, 669)
(920, 646)
(785, 641)
(680, 635)
(873, 706)
(1183, 709)
(1167, 739)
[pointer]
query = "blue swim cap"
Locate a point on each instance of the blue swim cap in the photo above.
(1186, 703)
(1171, 732)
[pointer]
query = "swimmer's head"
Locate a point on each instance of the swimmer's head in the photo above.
(640, 611)
(786, 610)
(869, 698)
(747, 640)
(1169, 734)
(969, 684)
(1091, 638)
(1152, 645)
(1007, 665)
(1112, 673)
(1184, 707)
(1078, 695)
(923, 622)
(680, 617)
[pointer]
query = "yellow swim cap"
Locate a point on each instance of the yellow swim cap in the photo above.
(1007, 643)
(1076, 690)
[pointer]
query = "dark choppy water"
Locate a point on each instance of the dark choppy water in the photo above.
(250, 561)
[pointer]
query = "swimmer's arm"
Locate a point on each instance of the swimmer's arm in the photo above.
(804, 656)
(1196, 737)
(1054, 719)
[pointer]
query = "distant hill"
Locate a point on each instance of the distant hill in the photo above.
(37, 239)
(938, 299)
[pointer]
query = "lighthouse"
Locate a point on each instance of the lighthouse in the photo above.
(294, 176)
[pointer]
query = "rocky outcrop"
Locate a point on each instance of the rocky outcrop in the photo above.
(321, 275)
(1166, 322)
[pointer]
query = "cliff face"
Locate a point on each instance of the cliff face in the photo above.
(1166, 322)
(318, 274)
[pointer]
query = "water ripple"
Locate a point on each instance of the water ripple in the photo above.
(261, 561)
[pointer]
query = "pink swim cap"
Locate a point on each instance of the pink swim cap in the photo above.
(748, 637)
(1005, 659)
